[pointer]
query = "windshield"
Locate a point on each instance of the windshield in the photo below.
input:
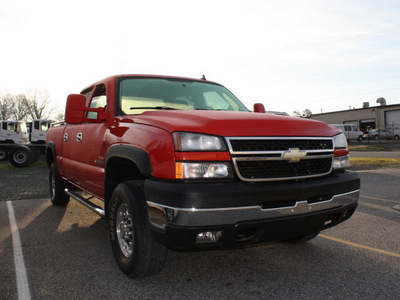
(44, 126)
(137, 95)
(22, 127)
(17, 127)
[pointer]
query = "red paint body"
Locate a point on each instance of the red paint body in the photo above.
(83, 163)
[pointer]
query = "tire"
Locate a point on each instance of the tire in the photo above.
(20, 157)
(396, 137)
(376, 137)
(57, 187)
(135, 251)
(360, 139)
(3, 154)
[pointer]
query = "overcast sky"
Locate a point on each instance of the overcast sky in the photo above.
(289, 55)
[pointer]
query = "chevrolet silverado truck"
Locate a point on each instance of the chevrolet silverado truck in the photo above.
(182, 163)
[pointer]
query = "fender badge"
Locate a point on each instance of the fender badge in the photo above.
(99, 160)
(294, 154)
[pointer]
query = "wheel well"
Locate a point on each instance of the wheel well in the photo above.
(119, 170)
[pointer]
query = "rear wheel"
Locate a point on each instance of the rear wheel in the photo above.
(57, 186)
(3, 154)
(135, 251)
(20, 157)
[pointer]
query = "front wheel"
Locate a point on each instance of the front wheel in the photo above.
(135, 251)
(360, 139)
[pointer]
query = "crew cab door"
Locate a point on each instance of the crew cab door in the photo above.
(70, 151)
(91, 142)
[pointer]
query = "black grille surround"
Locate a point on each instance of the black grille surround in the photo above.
(258, 159)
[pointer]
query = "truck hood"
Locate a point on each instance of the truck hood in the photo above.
(228, 123)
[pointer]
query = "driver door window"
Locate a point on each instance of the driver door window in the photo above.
(99, 99)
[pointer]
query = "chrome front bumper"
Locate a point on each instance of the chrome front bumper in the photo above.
(160, 216)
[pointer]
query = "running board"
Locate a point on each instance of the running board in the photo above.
(98, 210)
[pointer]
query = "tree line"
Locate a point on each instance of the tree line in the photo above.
(31, 105)
(306, 113)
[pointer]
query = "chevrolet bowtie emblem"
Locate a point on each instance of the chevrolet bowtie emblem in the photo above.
(294, 155)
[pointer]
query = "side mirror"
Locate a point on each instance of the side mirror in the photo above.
(259, 108)
(75, 109)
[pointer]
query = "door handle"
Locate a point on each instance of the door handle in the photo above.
(79, 137)
(65, 137)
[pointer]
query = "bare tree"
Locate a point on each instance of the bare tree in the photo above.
(19, 109)
(38, 104)
(306, 113)
(60, 117)
(6, 104)
(296, 114)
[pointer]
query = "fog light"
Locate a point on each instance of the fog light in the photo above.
(208, 237)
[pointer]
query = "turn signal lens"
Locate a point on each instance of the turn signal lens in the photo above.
(203, 170)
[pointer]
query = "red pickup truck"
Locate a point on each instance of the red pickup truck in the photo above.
(181, 162)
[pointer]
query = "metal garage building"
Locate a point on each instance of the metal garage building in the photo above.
(366, 118)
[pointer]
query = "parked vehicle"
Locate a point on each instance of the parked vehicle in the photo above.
(350, 131)
(180, 162)
(382, 134)
(396, 134)
(15, 146)
(14, 132)
(38, 129)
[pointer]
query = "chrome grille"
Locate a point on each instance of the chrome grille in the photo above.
(280, 158)
(280, 144)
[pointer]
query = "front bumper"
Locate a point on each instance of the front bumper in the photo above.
(177, 209)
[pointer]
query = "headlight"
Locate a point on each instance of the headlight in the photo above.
(198, 170)
(187, 141)
(341, 157)
(340, 141)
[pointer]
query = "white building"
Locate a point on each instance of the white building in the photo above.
(366, 118)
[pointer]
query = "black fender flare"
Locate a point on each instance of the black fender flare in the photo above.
(138, 156)
(50, 148)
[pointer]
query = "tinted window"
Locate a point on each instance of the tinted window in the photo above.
(99, 99)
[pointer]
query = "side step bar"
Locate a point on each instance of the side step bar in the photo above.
(98, 210)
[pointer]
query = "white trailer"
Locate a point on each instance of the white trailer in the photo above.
(14, 144)
(14, 132)
(38, 130)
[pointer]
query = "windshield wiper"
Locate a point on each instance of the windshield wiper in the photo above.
(155, 107)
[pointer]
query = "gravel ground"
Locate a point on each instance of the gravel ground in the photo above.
(23, 183)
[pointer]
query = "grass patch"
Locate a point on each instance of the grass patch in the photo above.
(8, 166)
(367, 148)
(368, 163)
